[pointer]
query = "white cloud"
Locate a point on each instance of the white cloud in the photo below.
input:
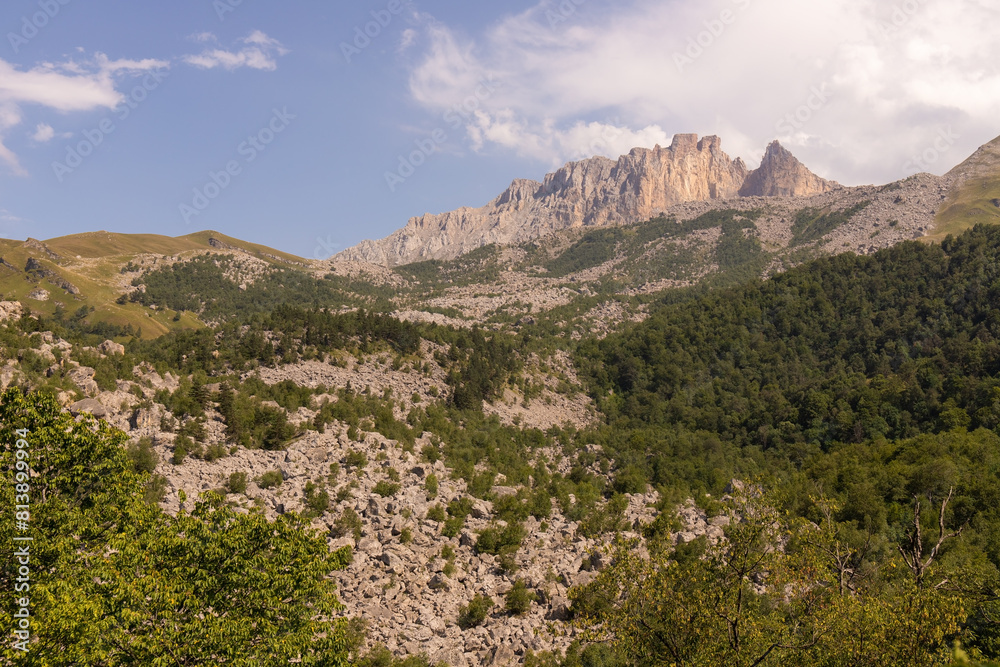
(129, 66)
(407, 39)
(883, 82)
(43, 133)
(258, 52)
(71, 86)
(85, 84)
(65, 88)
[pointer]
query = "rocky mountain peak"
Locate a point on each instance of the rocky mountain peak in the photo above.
(595, 192)
(781, 175)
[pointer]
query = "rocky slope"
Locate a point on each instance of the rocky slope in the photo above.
(593, 193)
(407, 579)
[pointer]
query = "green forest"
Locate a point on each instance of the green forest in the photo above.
(862, 394)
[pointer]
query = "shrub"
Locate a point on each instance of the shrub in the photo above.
(406, 536)
(431, 453)
(498, 540)
(386, 489)
(453, 526)
(475, 613)
(215, 452)
(182, 447)
(155, 490)
(237, 483)
(356, 460)
(436, 513)
(142, 455)
(271, 479)
(168, 423)
(519, 599)
(431, 484)
(348, 523)
(317, 500)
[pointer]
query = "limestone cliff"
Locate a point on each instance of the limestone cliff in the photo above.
(781, 175)
(594, 192)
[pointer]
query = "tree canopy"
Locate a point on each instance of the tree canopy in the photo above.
(116, 581)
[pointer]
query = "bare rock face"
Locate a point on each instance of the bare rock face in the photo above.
(594, 192)
(781, 175)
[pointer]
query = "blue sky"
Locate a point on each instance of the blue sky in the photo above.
(285, 124)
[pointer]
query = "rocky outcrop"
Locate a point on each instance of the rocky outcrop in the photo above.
(35, 244)
(83, 377)
(781, 175)
(37, 269)
(10, 310)
(111, 348)
(593, 193)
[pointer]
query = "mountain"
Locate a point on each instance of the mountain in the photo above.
(597, 192)
(781, 175)
(975, 192)
(467, 437)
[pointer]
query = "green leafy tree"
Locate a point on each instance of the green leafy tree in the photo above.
(115, 581)
(766, 595)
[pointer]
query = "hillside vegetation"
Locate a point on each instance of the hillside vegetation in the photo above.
(799, 457)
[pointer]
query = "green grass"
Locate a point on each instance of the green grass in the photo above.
(972, 201)
(107, 244)
(968, 206)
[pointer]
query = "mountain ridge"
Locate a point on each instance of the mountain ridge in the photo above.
(596, 192)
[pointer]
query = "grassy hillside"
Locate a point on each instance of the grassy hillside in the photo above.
(89, 271)
(107, 244)
(260, 251)
(975, 198)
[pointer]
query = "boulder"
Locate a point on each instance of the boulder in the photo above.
(90, 406)
(144, 418)
(110, 347)
(502, 656)
(560, 610)
(83, 377)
